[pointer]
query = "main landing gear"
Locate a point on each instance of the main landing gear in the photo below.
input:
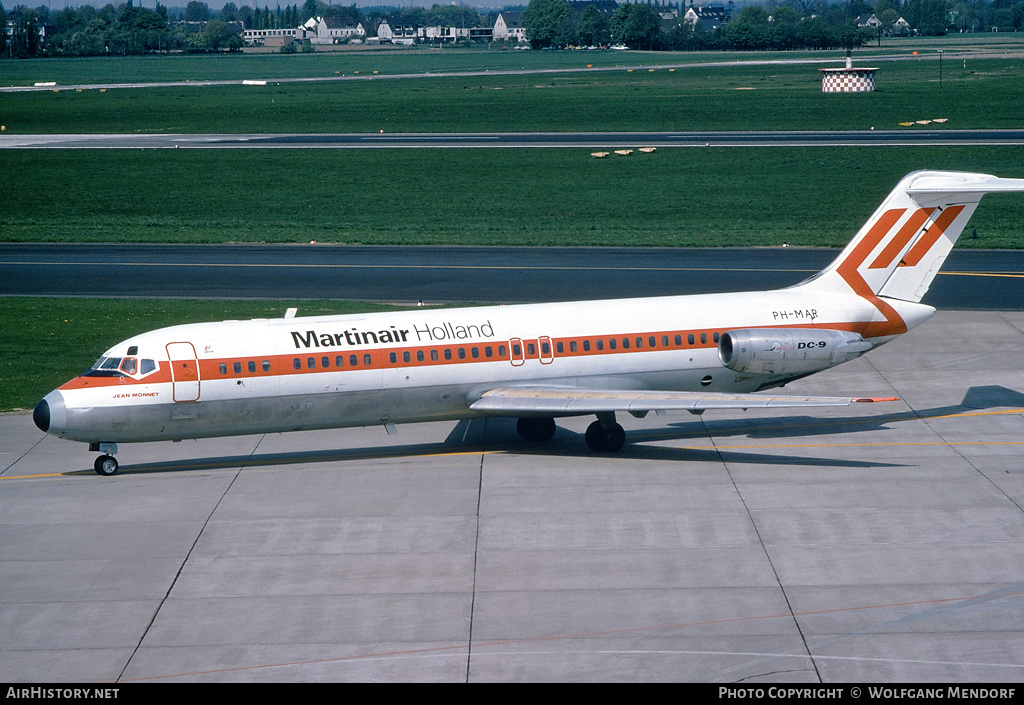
(603, 436)
(106, 464)
(536, 430)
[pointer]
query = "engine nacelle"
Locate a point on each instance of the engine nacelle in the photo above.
(788, 351)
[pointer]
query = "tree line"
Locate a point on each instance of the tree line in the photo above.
(784, 24)
(646, 24)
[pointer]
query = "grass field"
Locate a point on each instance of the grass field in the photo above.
(48, 341)
(975, 92)
(681, 197)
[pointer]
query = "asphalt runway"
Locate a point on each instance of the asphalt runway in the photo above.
(876, 543)
(970, 279)
(915, 136)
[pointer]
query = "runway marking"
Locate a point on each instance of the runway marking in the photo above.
(193, 265)
(633, 630)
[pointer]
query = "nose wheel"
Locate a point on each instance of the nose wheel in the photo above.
(105, 465)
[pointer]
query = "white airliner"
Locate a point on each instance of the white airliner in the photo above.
(534, 362)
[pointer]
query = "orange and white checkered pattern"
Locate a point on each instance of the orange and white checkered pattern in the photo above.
(847, 80)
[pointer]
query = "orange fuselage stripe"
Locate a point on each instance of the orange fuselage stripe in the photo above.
(283, 365)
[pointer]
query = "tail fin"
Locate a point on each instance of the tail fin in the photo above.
(902, 246)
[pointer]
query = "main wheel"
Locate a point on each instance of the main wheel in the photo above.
(105, 465)
(536, 430)
(605, 439)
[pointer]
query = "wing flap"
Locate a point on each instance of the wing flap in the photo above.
(559, 400)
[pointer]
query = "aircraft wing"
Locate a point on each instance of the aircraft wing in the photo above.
(537, 400)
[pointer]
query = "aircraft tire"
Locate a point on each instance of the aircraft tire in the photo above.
(105, 465)
(603, 439)
(536, 430)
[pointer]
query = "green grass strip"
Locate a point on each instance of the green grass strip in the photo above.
(673, 197)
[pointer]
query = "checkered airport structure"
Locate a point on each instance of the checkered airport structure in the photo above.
(847, 80)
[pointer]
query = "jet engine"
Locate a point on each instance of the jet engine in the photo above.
(788, 351)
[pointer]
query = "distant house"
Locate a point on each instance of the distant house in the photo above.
(399, 30)
(336, 30)
(509, 27)
(869, 21)
(709, 17)
(270, 37)
(318, 30)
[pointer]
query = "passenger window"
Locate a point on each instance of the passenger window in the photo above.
(406, 357)
(339, 360)
(353, 361)
(586, 346)
(488, 351)
(560, 347)
(419, 356)
(531, 349)
(501, 351)
(517, 351)
(433, 355)
(612, 344)
(475, 352)
(447, 353)
(393, 357)
(462, 353)
(252, 365)
(545, 349)
(223, 368)
(311, 363)
(266, 365)
(297, 363)
(715, 337)
(689, 339)
(367, 360)
(600, 344)
(325, 362)
(664, 341)
(703, 338)
(237, 367)
(572, 346)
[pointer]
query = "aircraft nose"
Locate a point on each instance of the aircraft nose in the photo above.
(50, 413)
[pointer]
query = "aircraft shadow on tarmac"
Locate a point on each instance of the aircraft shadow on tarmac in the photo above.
(499, 435)
(976, 399)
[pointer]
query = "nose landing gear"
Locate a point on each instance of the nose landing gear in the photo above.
(106, 464)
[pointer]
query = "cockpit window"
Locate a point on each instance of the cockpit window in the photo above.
(106, 367)
(121, 367)
(108, 363)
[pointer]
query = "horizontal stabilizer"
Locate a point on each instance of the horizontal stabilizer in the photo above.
(555, 401)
